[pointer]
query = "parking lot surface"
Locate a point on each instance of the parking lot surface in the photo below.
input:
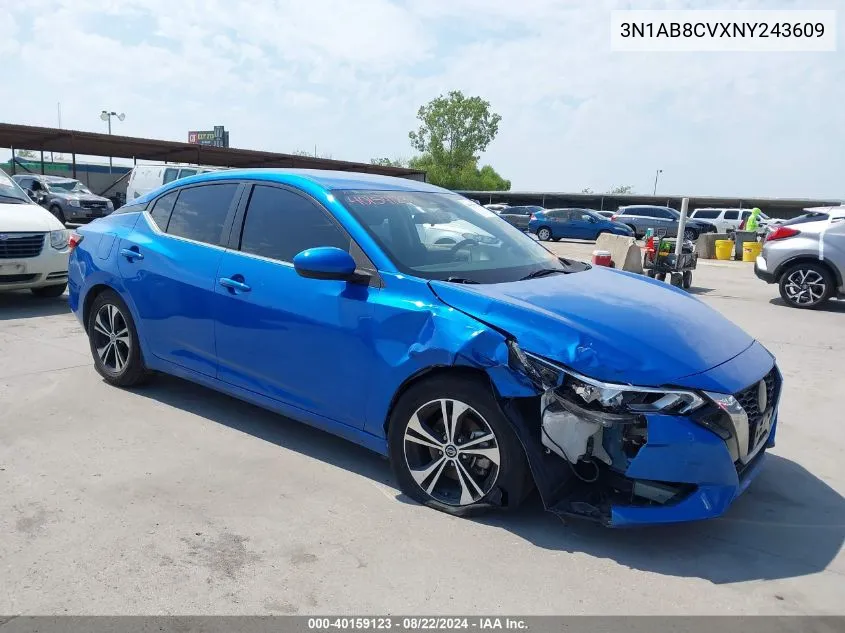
(173, 499)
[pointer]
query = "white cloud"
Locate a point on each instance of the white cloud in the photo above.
(349, 77)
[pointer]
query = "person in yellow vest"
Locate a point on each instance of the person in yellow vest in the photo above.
(753, 222)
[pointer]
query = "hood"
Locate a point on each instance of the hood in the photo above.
(604, 323)
(27, 217)
(78, 194)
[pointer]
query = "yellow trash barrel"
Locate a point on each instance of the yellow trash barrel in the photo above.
(724, 249)
(750, 250)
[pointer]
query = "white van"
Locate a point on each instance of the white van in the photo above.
(145, 178)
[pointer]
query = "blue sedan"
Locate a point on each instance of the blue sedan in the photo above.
(481, 366)
(584, 224)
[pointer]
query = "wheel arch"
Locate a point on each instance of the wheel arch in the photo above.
(808, 259)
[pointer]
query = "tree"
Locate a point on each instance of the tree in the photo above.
(621, 190)
(586, 190)
(455, 129)
(468, 178)
(302, 152)
(25, 153)
(387, 162)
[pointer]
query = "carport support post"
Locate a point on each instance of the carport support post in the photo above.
(679, 242)
(42, 162)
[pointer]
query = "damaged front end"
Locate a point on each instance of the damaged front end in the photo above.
(634, 455)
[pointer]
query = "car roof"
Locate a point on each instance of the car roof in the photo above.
(326, 179)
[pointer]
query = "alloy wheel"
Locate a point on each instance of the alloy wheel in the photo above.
(452, 452)
(111, 338)
(544, 234)
(805, 287)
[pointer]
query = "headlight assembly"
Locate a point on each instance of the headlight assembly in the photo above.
(74, 202)
(591, 394)
(59, 239)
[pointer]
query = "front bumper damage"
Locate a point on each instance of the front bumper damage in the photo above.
(626, 469)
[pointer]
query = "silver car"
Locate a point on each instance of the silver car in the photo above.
(806, 260)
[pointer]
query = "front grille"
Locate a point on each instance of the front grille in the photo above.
(749, 399)
(16, 279)
(93, 204)
(20, 245)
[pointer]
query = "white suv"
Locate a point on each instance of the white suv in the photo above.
(33, 244)
(730, 219)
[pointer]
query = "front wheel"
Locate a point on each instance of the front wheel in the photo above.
(544, 234)
(57, 211)
(452, 449)
(114, 341)
(690, 234)
(806, 285)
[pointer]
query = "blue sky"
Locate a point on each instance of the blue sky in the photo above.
(348, 77)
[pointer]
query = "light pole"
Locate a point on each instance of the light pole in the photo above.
(656, 176)
(105, 115)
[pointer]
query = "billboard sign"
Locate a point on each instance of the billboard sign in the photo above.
(218, 137)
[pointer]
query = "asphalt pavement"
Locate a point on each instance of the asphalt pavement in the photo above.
(173, 499)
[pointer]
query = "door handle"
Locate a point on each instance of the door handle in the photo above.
(131, 253)
(234, 284)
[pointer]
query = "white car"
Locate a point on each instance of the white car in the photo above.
(34, 247)
(729, 219)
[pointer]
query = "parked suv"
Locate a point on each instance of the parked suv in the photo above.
(806, 260)
(730, 219)
(639, 218)
(67, 199)
(33, 244)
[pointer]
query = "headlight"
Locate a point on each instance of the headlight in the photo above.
(74, 202)
(109, 205)
(59, 239)
(601, 396)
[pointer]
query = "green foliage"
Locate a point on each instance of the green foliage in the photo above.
(388, 162)
(454, 131)
(621, 190)
(467, 177)
(25, 153)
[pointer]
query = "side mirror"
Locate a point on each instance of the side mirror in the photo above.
(327, 262)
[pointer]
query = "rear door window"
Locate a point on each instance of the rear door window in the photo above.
(162, 208)
(706, 215)
(731, 215)
(200, 212)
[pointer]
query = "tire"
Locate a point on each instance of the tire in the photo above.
(660, 276)
(600, 233)
(650, 272)
(426, 467)
(544, 234)
(57, 211)
(633, 229)
(690, 234)
(116, 358)
(676, 280)
(49, 292)
(687, 284)
(806, 285)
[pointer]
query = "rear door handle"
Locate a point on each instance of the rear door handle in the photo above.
(234, 284)
(131, 253)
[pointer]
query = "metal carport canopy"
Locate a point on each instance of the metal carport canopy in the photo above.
(97, 144)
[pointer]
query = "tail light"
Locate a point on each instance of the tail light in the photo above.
(74, 240)
(781, 233)
(613, 217)
(533, 217)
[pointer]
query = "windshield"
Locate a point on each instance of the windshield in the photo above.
(67, 186)
(443, 236)
(10, 191)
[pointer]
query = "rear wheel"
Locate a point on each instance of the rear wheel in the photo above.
(690, 234)
(676, 280)
(633, 230)
(114, 341)
(544, 234)
(806, 285)
(452, 449)
(687, 279)
(660, 276)
(49, 292)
